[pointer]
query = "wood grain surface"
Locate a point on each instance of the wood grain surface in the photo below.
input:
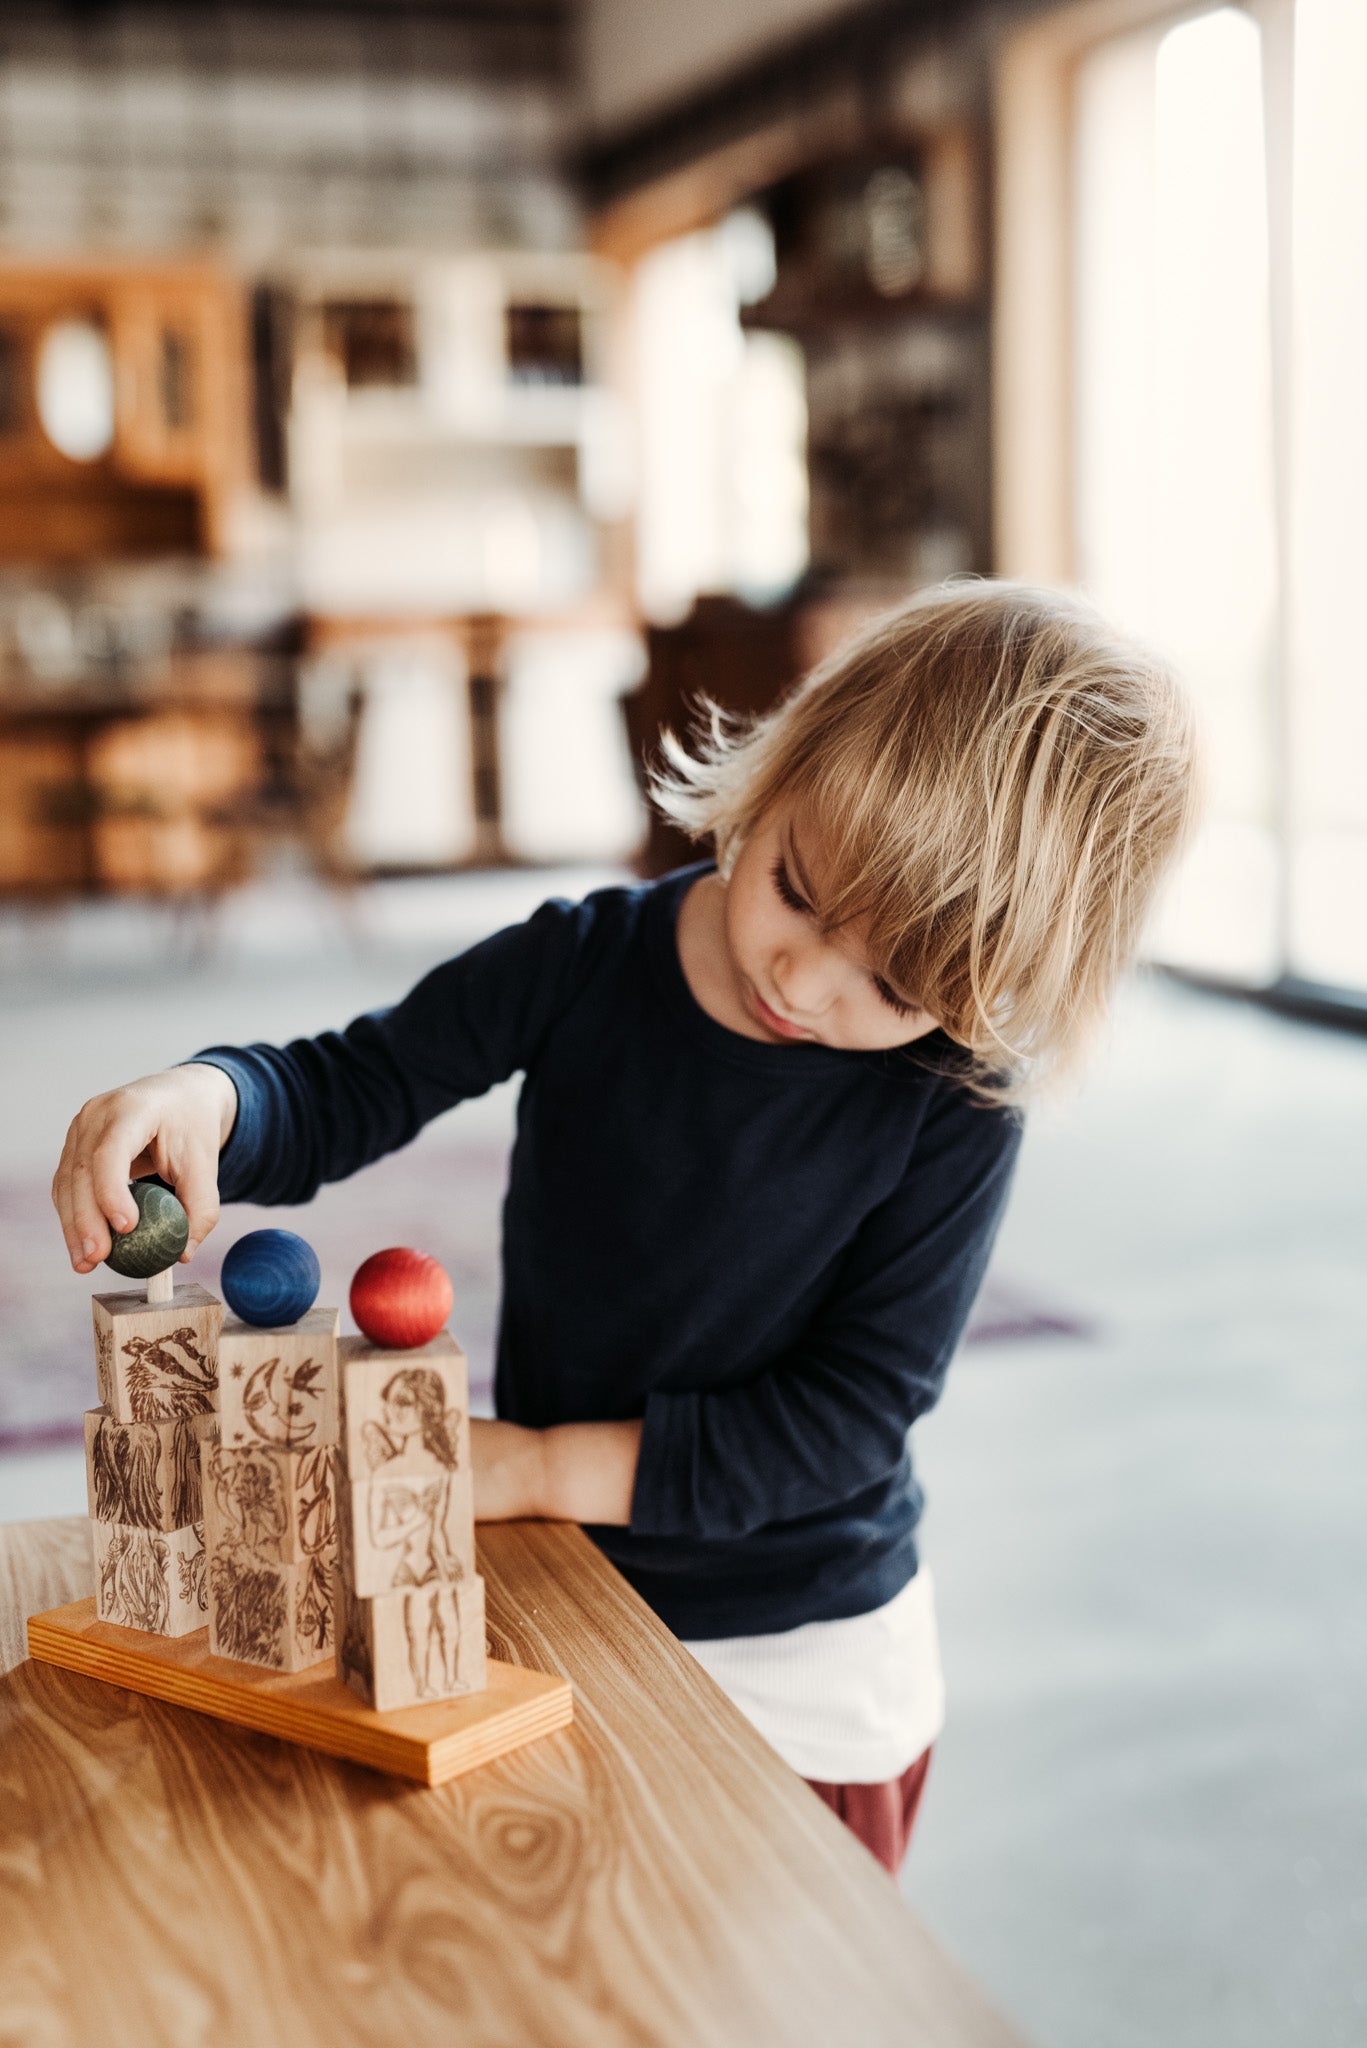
(652, 1875)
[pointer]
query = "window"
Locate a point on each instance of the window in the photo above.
(722, 423)
(545, 344)
(372, 341)
(1175, 527)
(1219, 417)
(76, 389)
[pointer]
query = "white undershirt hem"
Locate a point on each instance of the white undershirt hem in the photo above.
(851, 1702)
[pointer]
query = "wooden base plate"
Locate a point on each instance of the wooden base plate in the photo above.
(313, 1708)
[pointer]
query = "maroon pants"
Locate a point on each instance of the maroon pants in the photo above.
(882, 1816)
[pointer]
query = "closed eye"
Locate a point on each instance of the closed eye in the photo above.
(893, 1000)
(783, 883)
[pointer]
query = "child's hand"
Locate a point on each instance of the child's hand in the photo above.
(173, 1124)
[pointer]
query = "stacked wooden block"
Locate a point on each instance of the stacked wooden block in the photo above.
(410, 1603)
(157, 1369)
(269, 1502)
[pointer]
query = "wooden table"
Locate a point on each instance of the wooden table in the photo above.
(654, 1875)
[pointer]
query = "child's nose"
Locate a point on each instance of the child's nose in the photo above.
(804, 982)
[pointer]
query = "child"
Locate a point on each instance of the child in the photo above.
(765, 1134)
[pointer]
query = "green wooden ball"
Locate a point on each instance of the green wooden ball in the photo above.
(156, 1240)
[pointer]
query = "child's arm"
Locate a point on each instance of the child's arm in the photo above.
(291, 1117)
(574, 1472)
(173, 1124)
(826, 1419)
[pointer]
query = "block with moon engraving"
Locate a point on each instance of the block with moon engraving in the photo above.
(279, 1386)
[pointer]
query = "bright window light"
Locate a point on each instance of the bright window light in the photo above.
(722, 423)
(1175, 494)
(1328, 709)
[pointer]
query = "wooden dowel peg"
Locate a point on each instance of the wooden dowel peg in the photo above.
(161, 1286)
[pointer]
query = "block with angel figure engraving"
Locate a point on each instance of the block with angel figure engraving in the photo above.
(407, 1492)
(416, 1529)
(417, 1644)
(279, 1386)
(401, 1410)
(157, 1363)
(150, 1579)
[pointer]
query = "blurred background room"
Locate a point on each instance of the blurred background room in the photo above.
(410, 407)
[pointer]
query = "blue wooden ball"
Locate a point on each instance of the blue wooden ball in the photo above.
(270, 1277)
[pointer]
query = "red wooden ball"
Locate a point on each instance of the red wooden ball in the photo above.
(400, 1298)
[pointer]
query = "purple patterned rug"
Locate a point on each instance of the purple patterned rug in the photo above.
(443, 1194)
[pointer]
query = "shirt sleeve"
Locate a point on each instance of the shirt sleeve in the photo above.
(830, 1418)
(320, 1108)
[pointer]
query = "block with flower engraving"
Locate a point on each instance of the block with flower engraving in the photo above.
(150, 1579)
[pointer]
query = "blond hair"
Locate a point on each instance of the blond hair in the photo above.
(996, 780)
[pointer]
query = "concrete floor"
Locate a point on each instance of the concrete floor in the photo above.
(1147, 1820)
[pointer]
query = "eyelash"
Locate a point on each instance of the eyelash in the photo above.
(788, 894)
(893, 1001)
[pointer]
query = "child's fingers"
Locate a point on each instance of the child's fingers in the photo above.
(91, 1188)
(88, 1232)
(197, 1191)
(84, 1223)
(110, 1171)
(81, 1253)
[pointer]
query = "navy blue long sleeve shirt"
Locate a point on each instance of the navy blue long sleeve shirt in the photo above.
(768, 1252)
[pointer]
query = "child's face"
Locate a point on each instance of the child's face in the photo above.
(795, 981)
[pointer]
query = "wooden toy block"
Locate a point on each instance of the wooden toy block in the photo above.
(144, 1473)
(277, 1504)
(408, 1492)
(405, 1649)
(404, 1413)
(279, 1615)
(157, 1363)
(411, 1531)
(150, 1579)
(279, 1386)
(271, 1530)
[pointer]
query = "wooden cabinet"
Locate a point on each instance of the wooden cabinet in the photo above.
(169, 343)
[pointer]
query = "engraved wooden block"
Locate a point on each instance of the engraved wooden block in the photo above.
(403, 1412)
(261, 1612)
(279, 1386)
(156, 1364)
(144, 1473)
(408, 1494)
(405, 1649)
(411, 1530)
(275, 1503)
(149, 1578)
(271, 1530)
